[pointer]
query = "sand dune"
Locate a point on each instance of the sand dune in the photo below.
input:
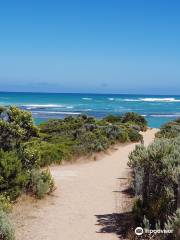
(87, 198)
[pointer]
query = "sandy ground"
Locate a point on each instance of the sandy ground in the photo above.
(87, 194)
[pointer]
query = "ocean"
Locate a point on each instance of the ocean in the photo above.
(157, 109)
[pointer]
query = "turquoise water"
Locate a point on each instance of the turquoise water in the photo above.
(157, 109)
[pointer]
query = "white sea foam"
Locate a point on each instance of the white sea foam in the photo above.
(165, 115)
(34, 106)
(111, 99)
(87, 99)
(151, 100)
(56, 113)
(131, 100)
(160, 100)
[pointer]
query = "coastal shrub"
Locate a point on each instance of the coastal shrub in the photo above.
(53, 153)
(22, 151)
(5, 203)
(24, 120)
(113, 119)
(135, 118)
(169, 130)
(2, 109)
(93, 142)
(173, 223)
(29, 155)
(11, 135)
(41, 183)
(50, 153)
(6, 229)
(116, 133)
(101, 143)
(62, 127)
(123, 135)
(134, 135)
(75, 136)
(87, 119)
(155, 178)
(16, 126)
(137, 209)
(136, 127)
(12, 177)
(41, 153)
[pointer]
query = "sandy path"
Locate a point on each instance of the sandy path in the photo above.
(83, 191)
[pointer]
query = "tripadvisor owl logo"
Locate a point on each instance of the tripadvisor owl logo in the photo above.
(139, 231)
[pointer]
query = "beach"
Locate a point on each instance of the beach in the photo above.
(87, 197)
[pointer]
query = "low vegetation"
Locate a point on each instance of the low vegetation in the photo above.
(6, 229)
(156, 181)
(25, 148)
(70, 137)
(18, 161)
(40, 183)
(169, 130)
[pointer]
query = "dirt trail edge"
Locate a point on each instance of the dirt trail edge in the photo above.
(87, 198)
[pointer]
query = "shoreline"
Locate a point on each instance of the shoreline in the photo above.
(46, 106)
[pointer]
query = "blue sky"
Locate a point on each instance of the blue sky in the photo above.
(105, 46)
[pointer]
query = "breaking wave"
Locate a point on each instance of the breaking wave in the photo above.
(152, 100)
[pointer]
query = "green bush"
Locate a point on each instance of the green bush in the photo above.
(173, 223)
(75, 136)
(115, 133)
(16, 126)
(169, 130)
(138, 209)
(113, 119)
(41, 183)
(93, 142)
(12, 178)
(156, 170)
(21, 150)
(24, 120)
(5, 203)
(123, 135)
(134, 135)
(6, 229)
(29, 154)
(62, 127)
(11, 135)
(41, 153)
(50, 153)
(135, 118)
